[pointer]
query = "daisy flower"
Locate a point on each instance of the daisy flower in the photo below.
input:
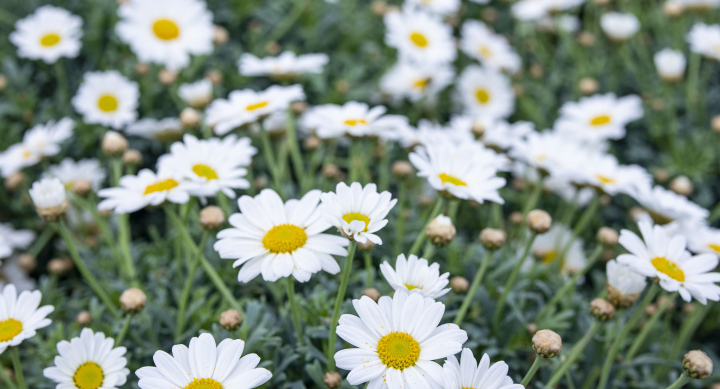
(162, 130)
(286, 64)
(419, 36)
(278, 240)
(469, 374)
(703, 239)
(670, 64)
(428, 132)
(12, 239)
(356, 211)
(439, 7)
(666, 206)
(247, 106)
(659, 255)
(12, 273)
(41, 141)
(704, 39)
(416, 81)
(20, 316)
(496, 134)
(210, 166)
(196, 94)
(142, 190)
(599, 117)
(603, 172)
(352, 119)
(619, 26)
(69, 171)
(397, 341)
(459, 171)
(49, 197)
(493, 50)
(48, 34)
(89, 361)
(548, 152)
(415, 275)
(166, 32)
(486, 92)
(107, 98)
(548, 248)
(204, 365)
(624, 286)
(537, 9)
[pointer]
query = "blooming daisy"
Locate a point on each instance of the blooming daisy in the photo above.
(486, 92)
(48, 34)
(69, 171)
(41, 141)
(603, 172)
(619, 26)
(12, 273)
(166, 32)
(704, 239)
(20, 316)
(666, 206)
(204, 365)
(670, 64)
(352, 119)
(12, 239)
(162, 130)
(356, 211)
(89, 362)
(469, 374)
(419, 36)
(414, 275)
(494, 133)
(49, 197)
(493, 50)
(536, 9)
(548, 152)
(279, 240)
(416, 81)
(439, 7)
(397, 341)
(548, 248)
(428, 132)
(658, 255)
(196, 94)
(704, 39)
(210, 166)
(286, 64)
(247, 106)
(624, 286)
(146, 188)
(599, 117)
(107, 98)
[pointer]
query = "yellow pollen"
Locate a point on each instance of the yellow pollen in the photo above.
(714, 247)
(600, 120)
(253, 107)
(604, 179)
(419, 39)
(205, 171)
(89, 376)
(448, 179)
(161, 186)
(411, 287)
(421, 83)
(357, 216)
(108, 103)
(398, 350)
(355, 122)
(166, 29)
(549, 257)
(50, 40)
(485, 52)
(26, 154)
(669, 268)
(204, 383)
(284, 238)
(9, 329)
(482, 96)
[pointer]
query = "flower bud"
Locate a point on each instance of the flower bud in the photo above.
(3, 82)
(547, 343)
(212, 218)
(82, 187)
(49, 198)
(27, 262)
(373, 293)
(492, 239)
(586, 39)
(532, 328)
(402, 169)
(478, 129)
(312, 143)
(114, 144)
(682, 186)
(260, 182)
(440, 231)
(167, 76)
(214, 76)
(332, 379)
(298, 107)
(516, 218)
(133, 300)
(220, 35)
(588, 86)
(231, 320)
(697, 364)
(459, 285)
(379, 7)
(607, 236)
(142, 68)
(59, 266)
(189, 117)
(602, 309)
(14, 181)
(131, 157)
(367, 246)
(672, 9)
(330, 171)
(83, 318)
(539, 221)
(716, 123)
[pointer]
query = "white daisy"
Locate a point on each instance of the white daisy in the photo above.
(196, 94)
(658, 255)
(210, 166)
(537, 9)
(12, 239)
(704, 39)
(356, 211)
(416, 81)
(415, 275)
(12, 273)
(497, 134)
(493, 50)
(89, 362)
(162, 130)
(286, 64)
(166, 32)
(548, 248)
(703, 239)
(49, 197)
(548, 152)
(20, 316)
(624, 286)
(439, 7)
(670, 64)
(41, 141)
(428, 132)
(419, 36)
(666, 206)
(469, 374)
(603, 171)
(276, 123)
(69, 171)
(204, 365)
(397, 341)
(619, 26)
(107, 98)
(599, 117)
(146, 188)
(486, 92)
(247, 106)
(352, 119)
(48, 34)
(279, 240)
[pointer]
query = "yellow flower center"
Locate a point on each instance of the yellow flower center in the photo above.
(549, 257)
(161, 186)
(398, 350)
(421, 83)
(9, 329)
(600, 120)
(485, 52)
(482, 96)
(284, 238)
(355, 122)
(604, 179)
(253, 107)
(26, 154)
(419, 39)
(205, 171)
(108, 103)
(50, 40)
(166, 29)
(357, 216)
(411, 287)
(89, 376)
(204, 383)
(714, 247)
(669, 268)
(448, 179)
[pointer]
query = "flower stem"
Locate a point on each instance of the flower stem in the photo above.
(182, 304)
(41, 242)
(124, 330)
(292, 142)
(421, 235)
(368, 269)
(269, 156)
(649, 325)
(511, 281)
(5, 378)
(294, 309)
(17, 366)
(584, 221)
(124, 238)
(534, 196)
(681, 381)
(347, 268)
(473, 287)
(533, 369)
(574, 353)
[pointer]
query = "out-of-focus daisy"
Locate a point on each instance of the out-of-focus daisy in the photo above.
(41, 141)
(415, 275)
(397, 341)
(210, 166)
(12, 273)
(48, 34)
(247, 106)
(352, 119)
(548, 249)
(619, 26)
(704, 39)
(624, 285)
(670, 64)
(605, 173)
(486, 92)
(494, 133)
(537, 9)
(204, 365)
(416, 81)
(493, 50)
(599, 117)
(146, 188)
(469, 374)
(658, 254)
(166, 32)
(276, 123)
(20, 316)
(356, 211)
(419, 36)
(428, 132)
(665, 206)
(439, 7)
(459, 170)
(69, 171)
(49, 197)
(89, 362)
(107, 98)
(704, 239)
(163, 130)
(548, 152)
(196, 94)
(278, 240)
(699, 5)
(12, 239)
(560, 23)
(286, 64)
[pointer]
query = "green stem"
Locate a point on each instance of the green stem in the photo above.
(681, 381)
(269, 156)
(184, 298)
(511, 281)
(574, 354)
(41, 242)
(534, 196)
(533, 369)
(292, 141)
(294, 310)
(124, 330)
(17, 365)
(649, 325)
(687, 329)
(62, 84)
(124, 238)
(5, 378)
(421, 235)
(473, 287)
(368, 269)
(347, 269)
(584, 221)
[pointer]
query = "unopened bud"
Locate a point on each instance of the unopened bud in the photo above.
(82, 186)
(367, 246)
(167, 76)
(602, 309)
(492, 239)
(60, 266)
(440, 231)
(13, 181)
(332, 379)
(212, 218)
(220, 35)
(133, 300)
(539, 221)
(330, 171)
(459, 284)
(373, 293)
(260, 182)
(478, 129)
(651, 309)
(114, 144)
(716, 123)
(586, 39)
(298, 107)
(231, 320)
(402, 169)
(131, 157)
(516, 218)
(697, 364)
(588, 86)
(27, 262)
(3, 82)
(682, 186)
(83, 318)
(547, 343)
(532, 328)
(214, 76)
(607, 236)
(312, 143)
(379, 7)
(672, 9)
(189, 117)
(142, 68)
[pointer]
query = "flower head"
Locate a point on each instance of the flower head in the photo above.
(356, 211)
(286, 64)
(486, 92)
(48, 195)
(415, 275)
(144, 189)
(419, 36)
(107, 98)
(599, 117)
(355, 119)
(48, 34)
(20, 316)
(469, 374)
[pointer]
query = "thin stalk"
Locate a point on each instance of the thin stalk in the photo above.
(534, 196)
(473, 287)
(292, 142)
(101, 223)
(41, 242)
(429, 250)
(681, 381)
(533, 369)
(401, 219)
(5, 378)
(17, 366)
(649, 325)
(347, 268)
(185, 296)
(584, 221)
(62, 84)
(124, 238)
(368, 269)
(124, 330)
(269, 156)
(574, 354)
(294, 310)
(511, 281)
(421, 235)
(687, 329)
